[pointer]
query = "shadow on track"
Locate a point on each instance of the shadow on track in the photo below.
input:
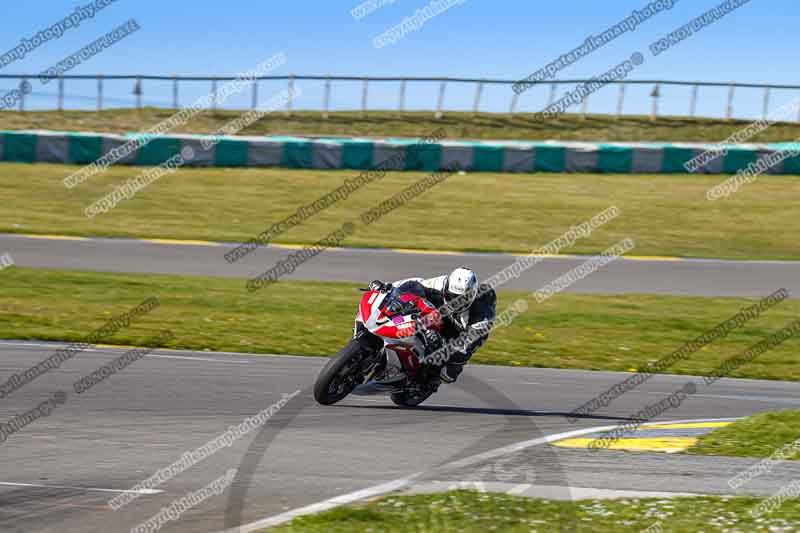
(485, 411)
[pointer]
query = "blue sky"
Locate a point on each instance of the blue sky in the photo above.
(477, 38)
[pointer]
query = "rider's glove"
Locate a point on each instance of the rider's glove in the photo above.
(378, 285)
(431, 340)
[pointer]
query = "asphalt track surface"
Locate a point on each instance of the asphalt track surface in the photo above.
(145, 417)
(60, 471)
(697, 277)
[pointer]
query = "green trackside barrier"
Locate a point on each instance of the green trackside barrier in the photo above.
(231, 153)
(360, 154)
(425, 157)
(791, 165)
(357, 154)
(85, 148)
(674, 159)
(614, 159)
(488, 158)
(20, 147)
(550, 158)
(297, 154)
(738, 159)
(158, 151)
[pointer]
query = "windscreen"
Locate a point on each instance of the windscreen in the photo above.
(394, 305)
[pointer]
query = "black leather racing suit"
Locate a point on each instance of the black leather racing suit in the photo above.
(470, 327)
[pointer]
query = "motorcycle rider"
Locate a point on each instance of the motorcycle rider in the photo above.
(467, 309)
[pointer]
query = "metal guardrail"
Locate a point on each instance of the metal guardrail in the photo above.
(404, 80)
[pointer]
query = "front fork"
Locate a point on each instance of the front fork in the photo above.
(369, 344)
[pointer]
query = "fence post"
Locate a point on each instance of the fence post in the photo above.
(621, 99)
(729, 108)
(22, 94)
(693, 101)
(584, 106)
(514, 99)
(401, 104)
(61, 92)
(326, 99)
(478, 92)
(99, 92)
(656, 94)
(440, 103)
(291, 92)
(364, 95)
(552, 97)
(137, 90)
(175, 102)
(766, 103)
(254, 95)
(214, 96)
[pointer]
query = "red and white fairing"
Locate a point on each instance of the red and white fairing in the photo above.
(397, 331)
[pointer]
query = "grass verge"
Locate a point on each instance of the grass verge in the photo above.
(591, 332)
(664, 214)
(473, 512)
(754, 436)
(464, 125)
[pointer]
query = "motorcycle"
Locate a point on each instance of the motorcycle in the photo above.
(385, 354)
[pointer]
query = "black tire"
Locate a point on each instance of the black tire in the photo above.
(339, 367)
(404, 399)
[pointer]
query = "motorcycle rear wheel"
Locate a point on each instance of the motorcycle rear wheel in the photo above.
(336, 379)
(404, 399)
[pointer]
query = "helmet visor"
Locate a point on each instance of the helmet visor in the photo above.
(460, 302)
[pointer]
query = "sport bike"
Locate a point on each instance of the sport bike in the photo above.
(386, 354)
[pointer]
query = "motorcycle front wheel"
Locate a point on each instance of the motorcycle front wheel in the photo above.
(339, 376)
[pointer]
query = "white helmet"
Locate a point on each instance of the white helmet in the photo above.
(460, 289)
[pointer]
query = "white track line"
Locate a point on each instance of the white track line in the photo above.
(192, 358)
(398, 484)
(104, 349)
(88, 489)
(109, 349)
(325, 505)
(519, 489)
